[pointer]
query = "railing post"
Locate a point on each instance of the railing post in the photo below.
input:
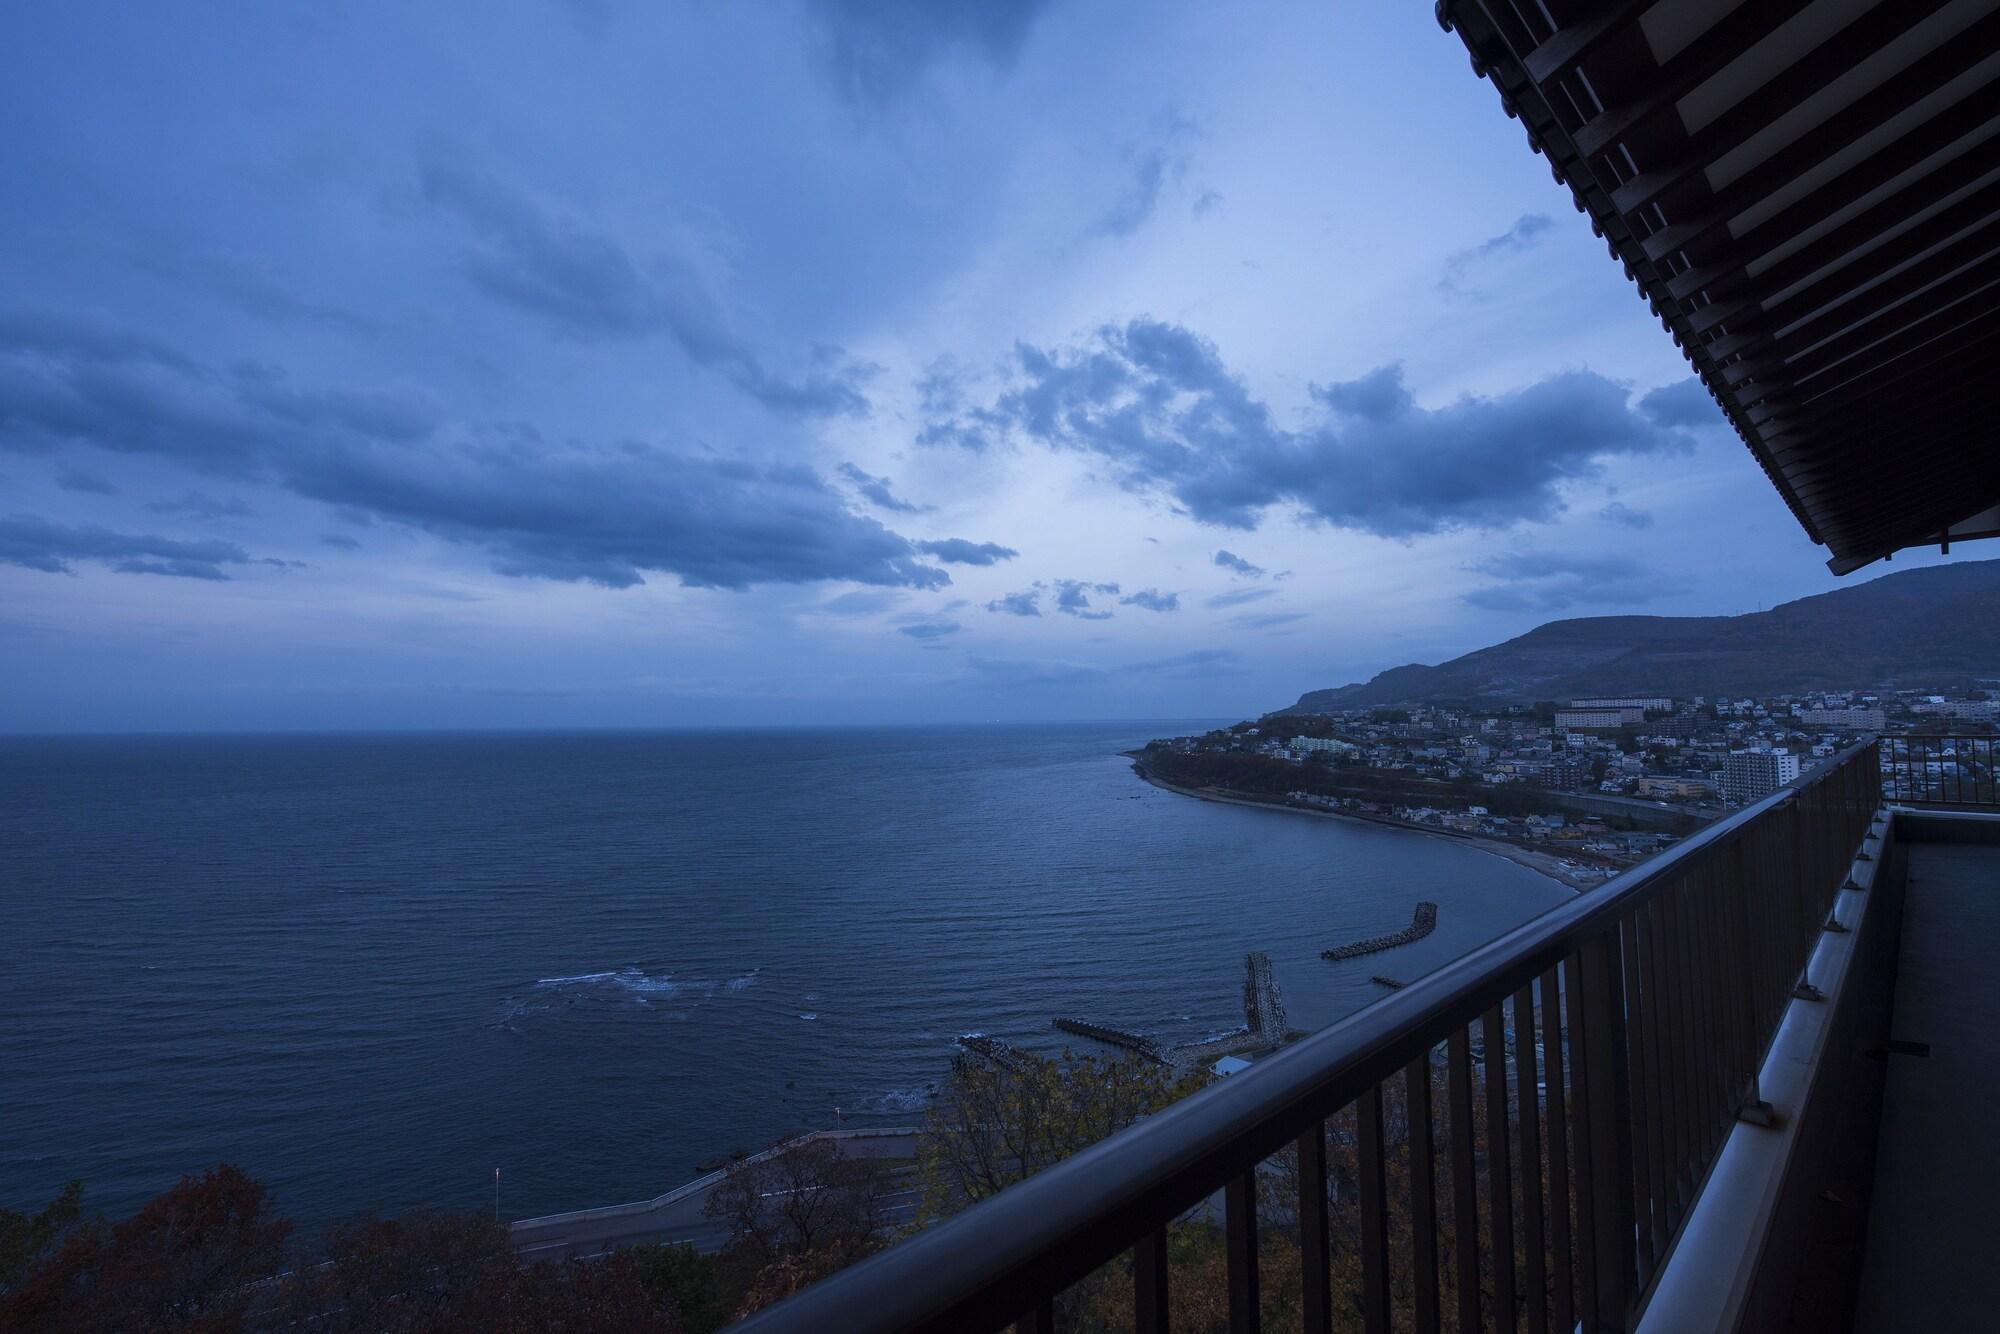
(1608, 1111)
(1751, 1107)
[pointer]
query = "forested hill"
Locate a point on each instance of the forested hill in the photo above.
(1928, 627)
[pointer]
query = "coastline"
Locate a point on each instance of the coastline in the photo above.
(1544, 863)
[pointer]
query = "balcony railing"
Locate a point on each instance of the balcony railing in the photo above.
(1941, 770)
(1527, 1126)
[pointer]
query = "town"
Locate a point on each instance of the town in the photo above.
(1598, 783)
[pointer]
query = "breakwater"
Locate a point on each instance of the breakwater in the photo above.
(1263, 1006)
(1388, 982)
(997, 1050)
(1115, 1037)
(1421, 925)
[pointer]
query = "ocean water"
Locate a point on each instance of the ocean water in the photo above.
(371, 969)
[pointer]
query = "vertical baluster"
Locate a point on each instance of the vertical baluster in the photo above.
(1528, 1113)
(1423, 1196)
(1499, 1171)
(1239, 1213)
(1558, 1099)
(1708, 1038)
(1316, 1246)
(1696, 1042)
(1464, 1189)
(1660, 1089)
(1599, 1013)
(1642, 1114)
(1374, 1213)
(1149, 1282)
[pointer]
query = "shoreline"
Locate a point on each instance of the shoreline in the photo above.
(1543, 863)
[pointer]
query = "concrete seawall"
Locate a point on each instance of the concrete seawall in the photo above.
(679, 1216)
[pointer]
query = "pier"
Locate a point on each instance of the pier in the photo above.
(1422, 925)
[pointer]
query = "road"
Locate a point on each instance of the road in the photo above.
(680, 1216)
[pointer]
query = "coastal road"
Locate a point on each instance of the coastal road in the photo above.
(680, 1216)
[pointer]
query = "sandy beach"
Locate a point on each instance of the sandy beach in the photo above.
(1546, 863)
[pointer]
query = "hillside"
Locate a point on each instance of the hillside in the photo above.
(1928, 627)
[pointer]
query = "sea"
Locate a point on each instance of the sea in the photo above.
(372, 969)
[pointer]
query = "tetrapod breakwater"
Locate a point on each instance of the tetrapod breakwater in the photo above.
(1422, 925)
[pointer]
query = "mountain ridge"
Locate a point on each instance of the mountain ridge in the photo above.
(1933, 626)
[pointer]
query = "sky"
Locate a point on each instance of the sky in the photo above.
(582, 363)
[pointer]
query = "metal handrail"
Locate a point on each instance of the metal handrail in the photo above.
(1614, 947)
(1966, 772)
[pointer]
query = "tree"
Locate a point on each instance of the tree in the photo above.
(24, 1240)
(188, 1260)
(807, 1197)
(993, 1124)
(408, 1273)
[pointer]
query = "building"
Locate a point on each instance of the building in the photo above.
(1673, 789)
(1847, 720)
(1643, 703)
(1977, 710)
(1583, 720)
(1308, 744)
(1748, 775)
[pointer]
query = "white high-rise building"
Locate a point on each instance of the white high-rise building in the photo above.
(1748, 775)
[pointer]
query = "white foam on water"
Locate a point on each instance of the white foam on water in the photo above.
(631, 978)
(900, 1100)
(808, 1016)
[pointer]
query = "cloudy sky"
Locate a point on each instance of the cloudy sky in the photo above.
(595, 363)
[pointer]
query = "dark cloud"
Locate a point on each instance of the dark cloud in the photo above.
(861, 602)
(339, 541)
(1073, 598)
(67, 337)
(603, 517)
(1621, 513)
(379, 416)
(84, 480)
(62, 383)
(1237, 597)
(1157, 403)
(1019, 672)
(876, 490)
(1519, 237)
(937, 629)
(958, 551)
(948, 419)
(1196, 663)
(877, 49)
(1682, 404)
(247, 284)
(541, 508)
(201, 506)
(1162, 156)
(1152, 599)
(586, 284)
(1267, 620)
(37, 544)
(1229, 560)
(1534, 580)
(1027, 602)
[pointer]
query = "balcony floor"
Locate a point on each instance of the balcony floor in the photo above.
(1932, 1258)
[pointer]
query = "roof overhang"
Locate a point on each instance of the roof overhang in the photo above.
(1807, 193)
